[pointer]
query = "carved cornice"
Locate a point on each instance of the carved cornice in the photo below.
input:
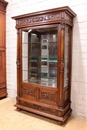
(3, 5)
(57, 15)
(44, 18)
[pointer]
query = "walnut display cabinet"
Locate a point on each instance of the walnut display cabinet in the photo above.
(44, 52)
(3, 91)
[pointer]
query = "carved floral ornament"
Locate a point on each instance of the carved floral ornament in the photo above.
(47, 95)
(40, 108)
(43, 18)
(35, 19)
(29, 91)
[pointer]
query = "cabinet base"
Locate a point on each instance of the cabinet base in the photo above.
(3, 95)
(61, 120)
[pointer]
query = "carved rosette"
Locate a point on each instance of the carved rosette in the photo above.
(40, 108)
(48, 95)
(29, 91)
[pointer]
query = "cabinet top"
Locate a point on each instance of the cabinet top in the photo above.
(3, 5)
(55, 15)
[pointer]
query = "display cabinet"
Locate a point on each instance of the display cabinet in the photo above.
(44, 53)
(3, 88)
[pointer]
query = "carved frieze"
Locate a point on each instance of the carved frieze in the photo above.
(36, 19)
(40, 108)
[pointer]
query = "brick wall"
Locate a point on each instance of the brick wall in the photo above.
(79, 60)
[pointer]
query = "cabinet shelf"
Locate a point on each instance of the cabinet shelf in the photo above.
(38, 43)
(42, 82)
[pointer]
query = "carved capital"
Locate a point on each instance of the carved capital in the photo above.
(63, 25)
(17, 31)
(18, 62)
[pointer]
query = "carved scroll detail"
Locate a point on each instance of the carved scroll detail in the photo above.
(18, 62)
(47, 95)
(43, 18)
(29, 91)
(40, 108)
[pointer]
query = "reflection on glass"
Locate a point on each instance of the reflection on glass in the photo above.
(39, 56)
(66, 57)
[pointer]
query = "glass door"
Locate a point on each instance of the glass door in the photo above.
(39, 56)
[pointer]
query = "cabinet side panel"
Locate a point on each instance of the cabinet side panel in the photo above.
(2, 29)
(2, 67)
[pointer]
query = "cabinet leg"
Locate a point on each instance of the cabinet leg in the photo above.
(19, 109)
(60, 123)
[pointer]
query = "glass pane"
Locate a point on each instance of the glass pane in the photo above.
(39, 56)
(66, 57)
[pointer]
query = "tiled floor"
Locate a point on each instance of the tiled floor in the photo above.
(10, 119)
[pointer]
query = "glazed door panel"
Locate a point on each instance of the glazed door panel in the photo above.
(40, 57)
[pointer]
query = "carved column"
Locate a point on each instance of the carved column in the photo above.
(61, 65)
(18, 65)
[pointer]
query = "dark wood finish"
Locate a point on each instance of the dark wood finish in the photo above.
(3, 91)
(50, 102)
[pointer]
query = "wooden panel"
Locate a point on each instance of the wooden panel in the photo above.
(2, 30)
(2, 67)
(3, 92)
(3, 5)
(28, 91)
(48, 95)
(2, 85)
